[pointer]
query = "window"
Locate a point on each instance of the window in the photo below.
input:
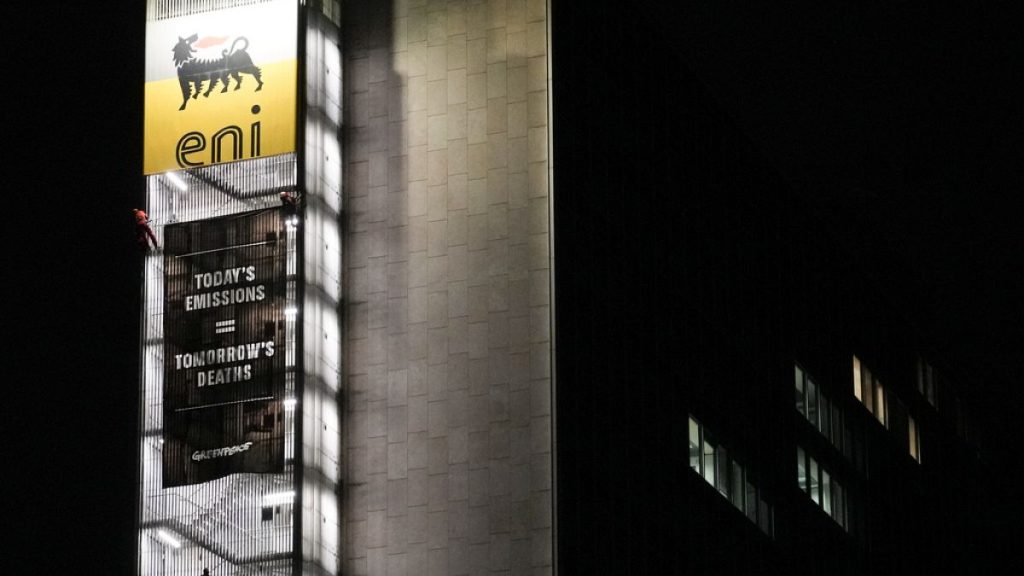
(822, 487)
(926, 384)
(694, 445)
(709, 461)
(826, 492)
(870, 391)
(914, 439)
(857, 390)
(722, 471)
(736, 489)
(750, 500)
(713, 462)
(825, 416)
(813, 402)
(867, 386)
(880, 403)
(837, 428)
(813, 482)
(801, 406)
(801, 469)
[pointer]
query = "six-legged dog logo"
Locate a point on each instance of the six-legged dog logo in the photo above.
(193, 71)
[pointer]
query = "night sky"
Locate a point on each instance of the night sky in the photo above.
(915, 111)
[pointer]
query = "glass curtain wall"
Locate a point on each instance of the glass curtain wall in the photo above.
(281, 523)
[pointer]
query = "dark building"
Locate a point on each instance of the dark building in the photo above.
(740, 390)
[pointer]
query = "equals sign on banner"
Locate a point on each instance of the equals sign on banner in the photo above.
(225, 326)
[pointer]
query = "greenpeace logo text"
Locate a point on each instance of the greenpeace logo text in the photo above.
(200, 455)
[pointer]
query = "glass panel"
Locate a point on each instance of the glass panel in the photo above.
(812, 402)
(913, 438)
(801, 469)
(798, 380)
(709, 462)
(826, 495)
(814, 483)
(722, 471)
(750, 500)
(824, 412)
(736, 485)
(880, 404)
(856, 379)
(764, 517)
(868, 392)
(838, 505)
(694, 434)
(837, 427)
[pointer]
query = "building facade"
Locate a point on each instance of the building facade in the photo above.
(347, 333)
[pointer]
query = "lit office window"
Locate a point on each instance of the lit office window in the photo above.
(868, 389)
(812, 403)
(722, 471)
(914, 439)
(814, 482)
(826, 492)
(713, 462)
(880, 404)
(798, 380)
(857, 391)
(709, 461)
(694, 433)
(801, 469)
(872, 393)
(822, 487)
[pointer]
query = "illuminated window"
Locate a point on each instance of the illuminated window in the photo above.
(826, 492)
(709, 461)
(798, 380)
(880, 403)
(857, 391)
(812, 403)
(801, 469)
(813, 482)
(822, 487)
(722, 471)
(867, 389)
(694, 445)
(870, 391)
(713, 462)
(914, 439)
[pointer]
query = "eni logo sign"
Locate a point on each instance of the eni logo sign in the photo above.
(193, 143)
(221, 86)
(193, 74)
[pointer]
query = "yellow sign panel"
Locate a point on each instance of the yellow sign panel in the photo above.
(220, 86)
(238, 124)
